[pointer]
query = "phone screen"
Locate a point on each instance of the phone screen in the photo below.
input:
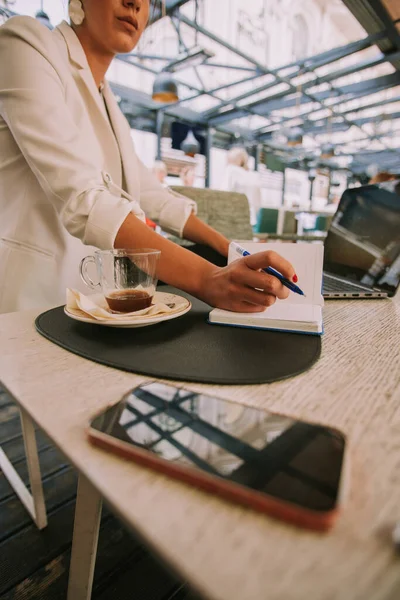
(291, 460)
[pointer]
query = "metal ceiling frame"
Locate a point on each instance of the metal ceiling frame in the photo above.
(374, 17)
(222, 117)
(284, 100)
(306, 65)
(391, 29)
(333, 98)
(355, 90)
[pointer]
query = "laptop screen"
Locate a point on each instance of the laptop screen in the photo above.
(363, 242)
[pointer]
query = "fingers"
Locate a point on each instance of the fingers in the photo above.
(237, 292)
(256, 297)
(261, 281)
(242, 286)
(269, 258)
(241, 306)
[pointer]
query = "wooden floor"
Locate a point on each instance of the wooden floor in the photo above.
(34, 565)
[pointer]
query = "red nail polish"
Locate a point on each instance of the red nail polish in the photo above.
(295, 278)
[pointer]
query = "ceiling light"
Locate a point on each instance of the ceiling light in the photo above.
(327, 151)
(295, 137)
(165, 88)
(190, 145)
(192, 58)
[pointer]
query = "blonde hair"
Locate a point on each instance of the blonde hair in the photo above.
(238, 156)
(382, 177)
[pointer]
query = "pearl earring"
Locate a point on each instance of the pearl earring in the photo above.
(76, 12)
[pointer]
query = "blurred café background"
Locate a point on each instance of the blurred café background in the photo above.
(308, 91)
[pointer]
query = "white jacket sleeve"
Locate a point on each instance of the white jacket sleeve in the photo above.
(168, 208)
(33, 106)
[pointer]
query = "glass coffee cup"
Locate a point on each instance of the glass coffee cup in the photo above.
(127, 278)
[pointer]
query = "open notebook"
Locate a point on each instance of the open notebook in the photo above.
(302, 314)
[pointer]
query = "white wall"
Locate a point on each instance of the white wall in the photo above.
(145, 146)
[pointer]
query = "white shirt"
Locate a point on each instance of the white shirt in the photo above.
(61, 167)
(238, 179)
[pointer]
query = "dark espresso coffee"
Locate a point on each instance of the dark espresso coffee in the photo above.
(126, 301)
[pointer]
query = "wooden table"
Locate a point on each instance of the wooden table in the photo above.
(227, 552)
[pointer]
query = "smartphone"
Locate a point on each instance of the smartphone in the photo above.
(289, 469)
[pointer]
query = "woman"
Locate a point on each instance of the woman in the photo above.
(70, 178)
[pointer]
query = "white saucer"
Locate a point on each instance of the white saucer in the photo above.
(182, 306)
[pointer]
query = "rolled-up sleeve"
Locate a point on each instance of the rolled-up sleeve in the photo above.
(164, 206)
(34, 108)
(95, 216)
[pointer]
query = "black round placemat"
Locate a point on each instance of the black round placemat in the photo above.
(186, 348)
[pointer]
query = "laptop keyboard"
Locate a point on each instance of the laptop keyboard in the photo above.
(333, 285)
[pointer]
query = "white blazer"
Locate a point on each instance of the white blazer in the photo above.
(61, 167)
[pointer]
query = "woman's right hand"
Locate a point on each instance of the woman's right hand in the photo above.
(243, 287)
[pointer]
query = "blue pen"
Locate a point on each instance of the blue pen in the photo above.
(271, 271)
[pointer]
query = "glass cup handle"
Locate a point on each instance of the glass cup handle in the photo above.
(84, 272)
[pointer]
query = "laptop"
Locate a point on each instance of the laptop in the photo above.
(362, 248)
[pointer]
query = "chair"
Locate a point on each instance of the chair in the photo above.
(227, 212)
(289, 222)
(267, 220)
(323, 222)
